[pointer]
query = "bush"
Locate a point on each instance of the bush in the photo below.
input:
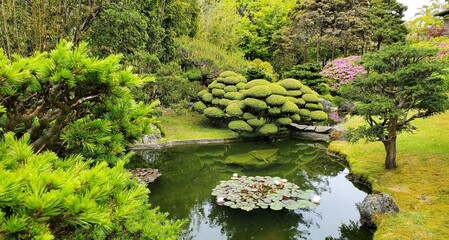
(258, 91)
(294, 93)
(304, 112)
(310, 98)
(278, 89)
(45, 197)
(256, 82)
(307, 90)
(215, 101)
(274, 111)
(207, 97)
(296, 118)
(284, 121)
(217, 85)
(248, 116)
(240, 126)
(297, 101)
(213, 112)
(241, 86)
(202, 92)
(224, 102)
(218, 92)
(226, 74)
(234, 110)
(318, 116)
(310, 75)
(314, 106)
(256, 122)
(342, 71)
(268, 129)
(230, 88)
(233, 95)
(199, 106)
(291, 84)
(289, 107)
(255, 104)
(276, 100)
(232, 80)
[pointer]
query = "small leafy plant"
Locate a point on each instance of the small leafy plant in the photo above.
(249, 193)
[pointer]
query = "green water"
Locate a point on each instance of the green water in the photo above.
(190, 172)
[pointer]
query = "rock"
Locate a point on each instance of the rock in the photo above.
(323, 129)
(145, 175)
(310, 128)
(326, 105)
(152, 138)
(299, 127)
(375, 204)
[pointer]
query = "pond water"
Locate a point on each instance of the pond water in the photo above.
(190, 172)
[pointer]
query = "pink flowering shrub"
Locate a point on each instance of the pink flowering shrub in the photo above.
(342, 71)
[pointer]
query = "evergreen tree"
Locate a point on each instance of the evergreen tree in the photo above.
(402, 85)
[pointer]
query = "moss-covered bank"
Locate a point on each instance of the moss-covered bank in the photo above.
(420, 185)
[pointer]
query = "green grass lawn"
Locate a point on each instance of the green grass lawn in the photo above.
(187, 125)
(419, 186)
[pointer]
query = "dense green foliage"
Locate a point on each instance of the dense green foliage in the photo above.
(66, 93)
(402, 85)
(263, 107)
(46, 197)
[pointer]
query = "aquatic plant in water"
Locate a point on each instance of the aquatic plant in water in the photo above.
(249, 193)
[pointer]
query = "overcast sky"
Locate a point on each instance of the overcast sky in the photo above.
(413, 6)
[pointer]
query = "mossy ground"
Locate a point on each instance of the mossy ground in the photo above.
(420, 184)
(186, 125)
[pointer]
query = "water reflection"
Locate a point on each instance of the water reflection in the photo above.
(190, 172)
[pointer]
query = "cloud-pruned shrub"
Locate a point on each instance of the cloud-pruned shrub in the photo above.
(259, 106)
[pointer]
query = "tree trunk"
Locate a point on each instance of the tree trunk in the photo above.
(390, 145)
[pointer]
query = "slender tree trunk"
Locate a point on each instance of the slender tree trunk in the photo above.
(5, 26)
(390, 145)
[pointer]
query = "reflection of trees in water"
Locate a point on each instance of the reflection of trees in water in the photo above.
(190, 172)
(353, 231)
(259, 223)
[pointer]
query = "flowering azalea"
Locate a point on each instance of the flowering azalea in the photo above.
(342, 71)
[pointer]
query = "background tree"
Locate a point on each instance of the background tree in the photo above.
(386, 24)
(402, 85)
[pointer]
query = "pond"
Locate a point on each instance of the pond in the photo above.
(189, 173)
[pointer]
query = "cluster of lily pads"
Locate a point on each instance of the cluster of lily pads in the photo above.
(249, 193)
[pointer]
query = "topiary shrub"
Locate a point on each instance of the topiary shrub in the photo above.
(294, 93)
(216, 85)
(268, 129)
(226, 74)
(276, 100)
(284, 121)
(289, 107)
(224, 102)
(256, 122)
(232, 80)
(218, 92)
(241, 86)
(297, 101)
(278, 89)
(314, 106)
(318, 116)
(296, 117)
(307, 90)
(311, 98)
(304, 113)
(202, 92)
(248, 116)
(258, 91)
(256, 82)
(215, 101)
(255, 104)
(207, 97)
(234, 96)
(240, 126)
(230, 88)
(213, 112)
(274, 111)
(199, 106)
(234, 110)
(291, 84)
